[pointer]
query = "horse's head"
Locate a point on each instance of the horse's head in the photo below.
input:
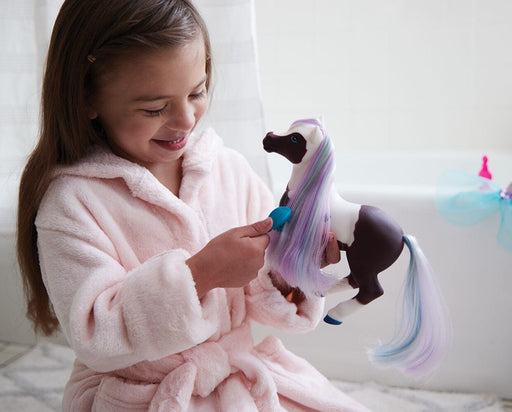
(299, 143)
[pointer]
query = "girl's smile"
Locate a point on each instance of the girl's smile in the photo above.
(172, 145)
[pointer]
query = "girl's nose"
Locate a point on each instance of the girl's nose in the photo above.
(182, 117)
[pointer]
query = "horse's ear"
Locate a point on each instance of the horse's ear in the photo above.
(320, 120)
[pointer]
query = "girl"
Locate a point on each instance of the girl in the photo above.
(125, 233)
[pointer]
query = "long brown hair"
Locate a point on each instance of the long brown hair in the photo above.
(88, 36)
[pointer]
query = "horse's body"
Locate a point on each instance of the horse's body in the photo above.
(372, 240)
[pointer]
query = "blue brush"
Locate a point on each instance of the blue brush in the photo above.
(280, 216)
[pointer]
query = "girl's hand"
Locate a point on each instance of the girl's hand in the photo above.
(331, 256)
(332, 252)
(231, 259)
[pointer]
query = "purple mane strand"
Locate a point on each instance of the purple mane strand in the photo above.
(314, 122)
(296, 251)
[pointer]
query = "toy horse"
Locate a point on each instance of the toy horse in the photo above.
(372, 240)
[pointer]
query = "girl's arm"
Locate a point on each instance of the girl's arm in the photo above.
(113, 318)
(115, 306)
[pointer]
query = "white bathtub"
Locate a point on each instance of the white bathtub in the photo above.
(473, 271)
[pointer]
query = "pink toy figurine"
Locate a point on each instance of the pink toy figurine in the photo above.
(372, 242)
(484, 171)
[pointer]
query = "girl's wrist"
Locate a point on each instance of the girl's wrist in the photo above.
(201, 281)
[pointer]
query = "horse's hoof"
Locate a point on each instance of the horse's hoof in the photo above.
(331, 321)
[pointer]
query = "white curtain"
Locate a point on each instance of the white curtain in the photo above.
(25, 26)
(236, 112)
(24, 33)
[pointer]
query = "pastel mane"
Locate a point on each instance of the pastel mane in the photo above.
(297, 251)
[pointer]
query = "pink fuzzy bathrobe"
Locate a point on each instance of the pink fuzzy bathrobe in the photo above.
(113, 243)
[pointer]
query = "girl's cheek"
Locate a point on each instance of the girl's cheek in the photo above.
(143, 126)
(202, 110)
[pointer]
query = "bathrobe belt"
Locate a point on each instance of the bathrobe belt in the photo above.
(199, 370)
(215, 361)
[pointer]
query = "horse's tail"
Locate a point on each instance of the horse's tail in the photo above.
(423, 332)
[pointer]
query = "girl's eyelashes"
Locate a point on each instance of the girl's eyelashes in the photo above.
(199, 95)
(163, 110)
(157, 112)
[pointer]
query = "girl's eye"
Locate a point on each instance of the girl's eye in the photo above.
(157, 112)
(199, 95)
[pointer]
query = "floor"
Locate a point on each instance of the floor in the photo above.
(10, 352)
(32, 379)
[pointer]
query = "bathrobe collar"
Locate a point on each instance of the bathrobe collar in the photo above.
(198, 161)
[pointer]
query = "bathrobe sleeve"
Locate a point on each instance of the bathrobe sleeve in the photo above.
(266, 305)
(111, 316)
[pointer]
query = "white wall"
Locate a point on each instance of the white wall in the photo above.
(391, 74)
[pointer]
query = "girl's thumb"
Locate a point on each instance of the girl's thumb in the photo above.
(259, 228)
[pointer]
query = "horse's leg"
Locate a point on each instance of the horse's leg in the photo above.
(368, 291)
(341, 311)
(348, 282)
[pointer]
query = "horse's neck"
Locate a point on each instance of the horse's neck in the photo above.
(298, 172)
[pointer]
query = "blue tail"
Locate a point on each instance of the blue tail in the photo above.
(423, 333)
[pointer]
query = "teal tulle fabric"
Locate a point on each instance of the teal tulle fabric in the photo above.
(465, 200)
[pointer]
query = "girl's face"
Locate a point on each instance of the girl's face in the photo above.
(150, 102)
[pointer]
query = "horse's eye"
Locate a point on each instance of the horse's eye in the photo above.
(294, 139)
